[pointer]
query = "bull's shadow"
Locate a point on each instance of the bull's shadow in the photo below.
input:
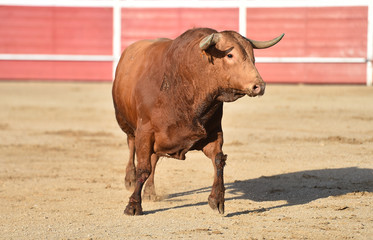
(294, 188)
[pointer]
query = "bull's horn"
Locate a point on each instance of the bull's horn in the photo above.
(265, 44)
(210, 40)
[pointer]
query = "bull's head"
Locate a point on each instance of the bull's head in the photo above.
(233, 55)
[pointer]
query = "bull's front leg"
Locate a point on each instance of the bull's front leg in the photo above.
(134, 205)
(144, 146)
(213, 150)
(216, 198)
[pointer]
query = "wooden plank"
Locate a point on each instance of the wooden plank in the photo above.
(311, 32)
(55, 70)
(313, 72)
(50, 30)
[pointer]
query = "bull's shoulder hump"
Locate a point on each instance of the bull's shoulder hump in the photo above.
(160, 40)
(147, 42)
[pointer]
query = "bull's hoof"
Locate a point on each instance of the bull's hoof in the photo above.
(133, 209)
(130, 181)
(216, 204)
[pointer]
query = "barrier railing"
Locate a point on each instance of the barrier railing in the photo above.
(242, 5)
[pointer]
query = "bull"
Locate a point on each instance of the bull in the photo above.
(168, 97)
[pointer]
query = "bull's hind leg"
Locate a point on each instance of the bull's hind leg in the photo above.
(149, 189)
(144, 147)
(213, 150)
(130, 179)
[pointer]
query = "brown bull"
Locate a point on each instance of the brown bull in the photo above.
(168, 98)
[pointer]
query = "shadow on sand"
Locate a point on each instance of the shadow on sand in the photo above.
(294, 188)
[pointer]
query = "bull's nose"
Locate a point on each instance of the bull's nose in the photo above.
(258, 89)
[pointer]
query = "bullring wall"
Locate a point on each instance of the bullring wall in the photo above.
(82, 39)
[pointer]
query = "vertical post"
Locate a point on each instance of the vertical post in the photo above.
(370, 45)
(117, 33)
(242, 19)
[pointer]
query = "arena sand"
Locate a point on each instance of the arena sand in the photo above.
(299, 166)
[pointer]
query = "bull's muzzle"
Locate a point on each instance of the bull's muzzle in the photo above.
(256, 89)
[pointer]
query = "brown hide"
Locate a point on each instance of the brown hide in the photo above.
(168, 98)
(172, 86)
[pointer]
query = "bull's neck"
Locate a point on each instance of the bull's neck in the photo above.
(188, 83)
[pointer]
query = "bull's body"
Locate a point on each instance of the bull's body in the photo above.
(168, 97)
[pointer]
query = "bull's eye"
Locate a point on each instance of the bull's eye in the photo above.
(230, 55)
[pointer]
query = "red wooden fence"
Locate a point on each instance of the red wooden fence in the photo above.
(337, 34)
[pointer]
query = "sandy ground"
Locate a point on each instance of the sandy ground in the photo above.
(300, 166)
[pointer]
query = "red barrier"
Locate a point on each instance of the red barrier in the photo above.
(317, 32)
(51, 30)
(149, 23)
(311, 32)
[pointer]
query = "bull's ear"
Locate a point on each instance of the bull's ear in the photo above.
(209, 41)
(265, 44)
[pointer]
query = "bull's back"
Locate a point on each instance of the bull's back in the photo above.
(135, 81)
